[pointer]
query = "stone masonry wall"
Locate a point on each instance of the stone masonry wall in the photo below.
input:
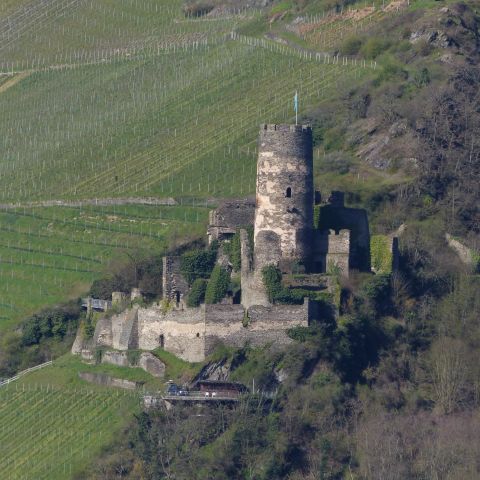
(338, 251)
(253, 289)
(181, 332)
(354, 219)
(284, 204)
(260, 326)
(173, 281)
(229, 216)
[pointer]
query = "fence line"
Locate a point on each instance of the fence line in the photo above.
(304, 54)
(24, 372)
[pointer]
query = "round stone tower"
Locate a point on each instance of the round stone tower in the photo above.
(285, 196)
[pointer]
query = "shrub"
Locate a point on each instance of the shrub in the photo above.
(233, 250)
(381, 256)
(351, 46)
(197, 293)
(373, 47)
(197, 264)
(272, 279)
(54, 322)
(217, 285)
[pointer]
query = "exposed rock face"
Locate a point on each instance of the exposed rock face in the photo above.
(115, 358)
(214, 371)
(108, 381)
(151, 364)
(436, 37)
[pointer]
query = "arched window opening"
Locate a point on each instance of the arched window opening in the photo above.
(177, 297)
(288, 193)
(162, 341)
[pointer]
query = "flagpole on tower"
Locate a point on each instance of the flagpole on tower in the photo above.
(295, 106)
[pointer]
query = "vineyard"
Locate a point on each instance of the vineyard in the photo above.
(50, 254)
(130, 98)
(51, 425)
(108, 102)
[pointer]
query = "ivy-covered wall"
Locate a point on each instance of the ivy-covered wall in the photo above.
(381, 254)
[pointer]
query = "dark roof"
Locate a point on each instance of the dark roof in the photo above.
(221, 385)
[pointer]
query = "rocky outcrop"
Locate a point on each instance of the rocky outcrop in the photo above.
(151, 364)
(108, 381)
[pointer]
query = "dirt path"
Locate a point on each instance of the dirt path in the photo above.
(14, 80)
(105, 202)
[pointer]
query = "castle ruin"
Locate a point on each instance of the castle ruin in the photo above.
(292, 230)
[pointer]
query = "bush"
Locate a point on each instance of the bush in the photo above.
(197, 293)
(54, 322)
(217, 285)
(272, 279)
(351, 46)
(380, 254)
(233, 250)
(197, 264)
(373, 47)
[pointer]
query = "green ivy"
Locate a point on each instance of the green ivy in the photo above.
(272, 279)
(197, 264)
(233, 250)
(381, 256)
(217, 285)
(197, 293)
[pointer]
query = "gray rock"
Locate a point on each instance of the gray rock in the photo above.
(151, 364)
(115, 358)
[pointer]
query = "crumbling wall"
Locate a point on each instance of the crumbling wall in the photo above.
(175, 287)
(335, 217)
(229, 216)
(181, 332)
(253, 289)
(338, 252)
(259, 326)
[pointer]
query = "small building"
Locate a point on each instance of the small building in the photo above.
(220, 388)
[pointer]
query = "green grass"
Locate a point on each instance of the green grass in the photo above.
(177, 369)
(50, 254)
(182, 123)
(64, 373)
(52, 423)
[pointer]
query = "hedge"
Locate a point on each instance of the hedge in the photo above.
(217, 285)
(197, 293)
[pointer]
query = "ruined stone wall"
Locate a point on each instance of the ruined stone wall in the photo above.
(338, 253)
(253, 289)
(261, 326)
(354, 219)
(284, 204)
(181, 332)
(230, 216)
(173, 281)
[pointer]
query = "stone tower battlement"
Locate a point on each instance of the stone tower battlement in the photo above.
(284, 196)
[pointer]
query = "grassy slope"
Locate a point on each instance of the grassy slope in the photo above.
(53, 423)
(50, 254)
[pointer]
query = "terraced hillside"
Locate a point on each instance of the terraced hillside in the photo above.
(129, 98)
(52, 423)
(48, 254)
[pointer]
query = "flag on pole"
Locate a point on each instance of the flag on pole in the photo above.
(295, 106)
